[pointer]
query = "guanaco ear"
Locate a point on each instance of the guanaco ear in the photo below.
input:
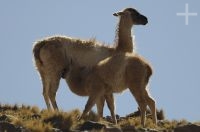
(118, 14)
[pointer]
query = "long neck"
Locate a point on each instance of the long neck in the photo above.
(123, 38)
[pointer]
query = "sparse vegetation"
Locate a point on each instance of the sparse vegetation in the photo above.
(36, 120)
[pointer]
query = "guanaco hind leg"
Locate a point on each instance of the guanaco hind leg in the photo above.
(100, 105)
(111, 106)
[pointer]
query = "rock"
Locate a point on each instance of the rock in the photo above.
(129, 129)
(109, 118)
(7, 118)
(112, 129)
(56, 130)
(8, 127)
(90, 125)
(188, 128)
(22, 129)
(160, 114)
(74, 131)
(36, 116)
(135, 114)
(148, 130)
(117, 116)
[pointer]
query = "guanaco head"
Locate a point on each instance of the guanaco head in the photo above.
(132, 15)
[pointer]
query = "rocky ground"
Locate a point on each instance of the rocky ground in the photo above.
(31, 119)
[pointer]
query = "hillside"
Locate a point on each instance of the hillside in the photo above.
(32, 119)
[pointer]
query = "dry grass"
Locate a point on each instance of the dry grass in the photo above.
(37, 120)
(135, 121)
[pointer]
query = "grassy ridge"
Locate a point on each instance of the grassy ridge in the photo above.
(36, 120)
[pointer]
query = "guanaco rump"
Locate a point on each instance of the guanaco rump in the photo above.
(52, 55)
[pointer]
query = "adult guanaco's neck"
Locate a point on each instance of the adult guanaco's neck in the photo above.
(123, 37)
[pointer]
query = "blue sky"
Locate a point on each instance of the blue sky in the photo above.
(170, 46)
